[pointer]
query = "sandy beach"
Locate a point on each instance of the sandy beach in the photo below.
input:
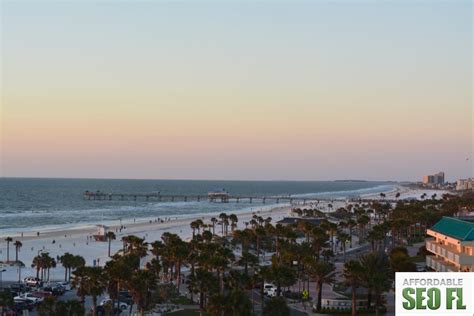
(78, 240)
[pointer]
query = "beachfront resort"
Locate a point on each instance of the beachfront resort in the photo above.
(300, 260)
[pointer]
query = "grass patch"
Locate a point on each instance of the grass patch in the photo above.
(182, 300)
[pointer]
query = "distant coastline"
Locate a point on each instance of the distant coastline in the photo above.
(351, 180)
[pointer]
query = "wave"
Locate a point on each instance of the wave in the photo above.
(384, 188)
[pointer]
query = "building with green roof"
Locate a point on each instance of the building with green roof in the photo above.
(451, 245)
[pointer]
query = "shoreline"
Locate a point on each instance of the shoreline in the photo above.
(129, 221)
(78, 241)
(79, 228)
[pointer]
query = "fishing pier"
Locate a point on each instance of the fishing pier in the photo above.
(220, 197)
(211, 197)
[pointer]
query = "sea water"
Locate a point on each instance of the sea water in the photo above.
(31, 203)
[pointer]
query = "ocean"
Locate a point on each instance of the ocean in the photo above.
(41, 204)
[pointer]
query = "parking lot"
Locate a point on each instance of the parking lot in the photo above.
(27, 297)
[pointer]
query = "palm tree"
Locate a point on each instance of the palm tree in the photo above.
(18, 246)
(351, 224)
(6, 300)
(276, 306)
(400, 261)
(52, 307)
(218, 305)
(200, 224)
(8, 240)
(244, 237)
(322, 272)
(110, 236)
(281, 275)
(70, 262)
(49, 263)
(180, 253)
(194, 225)
(380, 283)
(343, 238)
(79, 282)
(332, 230)
(140, 285)
(327, 254)
(90, 281)
(135, 246)
(247, 259)
(175, 252)
(222, 257)
(96, 285)
(240, 304)
(362, 221)
(119, 271)
(259, 233)
(233, 220)
(77, 262)
(352, 274)
(318, 240)
(47, 307)
(214, 221)
(224, 218)
(205, 283)
(375, 276)
(38, 264)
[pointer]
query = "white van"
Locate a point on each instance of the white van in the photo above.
(269, 290)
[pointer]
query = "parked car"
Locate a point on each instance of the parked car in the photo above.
(65, 285)
(30, 297)
(32, 281)
(53, 290)
(42, 293)
(269, 290)
(123, 305)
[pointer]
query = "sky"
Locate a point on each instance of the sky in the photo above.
(269, 90)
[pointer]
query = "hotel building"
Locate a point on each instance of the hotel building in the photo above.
(451, 245)
(465, 184)
(437, 178)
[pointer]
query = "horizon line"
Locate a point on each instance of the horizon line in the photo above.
(195, 179)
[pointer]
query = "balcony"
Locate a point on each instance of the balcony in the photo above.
(450, 254)
(440, 265)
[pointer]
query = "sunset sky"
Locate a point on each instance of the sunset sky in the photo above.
(316, 90)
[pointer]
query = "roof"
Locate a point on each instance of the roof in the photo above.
(456, 228)
(292, 220)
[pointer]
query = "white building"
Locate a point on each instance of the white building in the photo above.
(451, 245)
(465, 184)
